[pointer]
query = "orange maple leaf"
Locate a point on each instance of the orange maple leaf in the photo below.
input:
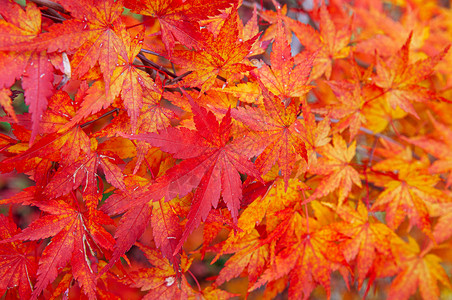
(275, 131)
(400, 79)
(305, 258)
(335, 166)
(248, 254)
(418, 269)
(369, 238)
(222, 55)
(96, 31)
(130, 81)
(328, 43)
(283, 78)
(410, 194)
(352, 97)
(440, 147)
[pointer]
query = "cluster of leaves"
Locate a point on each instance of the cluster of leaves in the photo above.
(164, 135)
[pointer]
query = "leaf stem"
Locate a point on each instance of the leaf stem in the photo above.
(104, 115)
(196, 280)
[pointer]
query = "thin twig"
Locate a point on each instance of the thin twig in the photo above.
(53, 5)
(145, 60)
(104, 115)
(152, 52)
(178, 78)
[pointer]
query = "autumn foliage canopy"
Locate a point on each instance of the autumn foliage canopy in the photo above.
(195, 149)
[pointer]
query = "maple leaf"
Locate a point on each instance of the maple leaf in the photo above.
(335, 166)
(273, 17)
(223, 55)
(276, 136)
(328, 43)
(73, 233)
(418, 269)
(400, 79)
(304, 258)
(17, 266)
(283, 79)
(410, 194)
(155, 114)
(178, 19)
(212, 165)
(34, 66)
(379, 30)
(60, 112)
(250, 30)
(368, 238)
(274, 199)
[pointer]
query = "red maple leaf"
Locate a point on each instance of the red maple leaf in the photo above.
(75, 233)
(212, 164)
